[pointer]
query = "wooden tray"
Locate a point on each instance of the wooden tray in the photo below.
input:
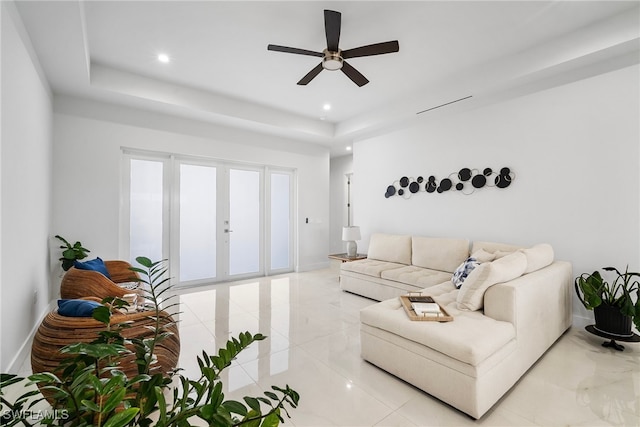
(445, 317)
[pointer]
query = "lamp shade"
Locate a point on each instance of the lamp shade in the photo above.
(351, 233)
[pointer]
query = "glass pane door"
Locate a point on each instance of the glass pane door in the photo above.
(214, 221)
(280, 231)
(146, 204)
(243, 229)
(198, 247)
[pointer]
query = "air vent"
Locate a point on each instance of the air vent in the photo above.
(445, 104)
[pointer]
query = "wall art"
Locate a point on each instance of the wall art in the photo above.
(465, 181)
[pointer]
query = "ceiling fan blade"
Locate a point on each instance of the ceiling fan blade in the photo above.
(295, 50)
(372, 49)
(354, 74)
(311, 75)
(332, 23)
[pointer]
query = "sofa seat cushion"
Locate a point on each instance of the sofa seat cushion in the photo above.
(370, 267)
(416, 276)
(470, 338)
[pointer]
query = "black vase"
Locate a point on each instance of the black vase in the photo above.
(610, 320)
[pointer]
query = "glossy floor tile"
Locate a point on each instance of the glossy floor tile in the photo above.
(313, 345)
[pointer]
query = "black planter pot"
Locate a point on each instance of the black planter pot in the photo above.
(610, 320)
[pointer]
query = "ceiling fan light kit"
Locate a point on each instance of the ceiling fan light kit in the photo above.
(332, 61)
(333, 58)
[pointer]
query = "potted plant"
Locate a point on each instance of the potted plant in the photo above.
(71, 252)
(90, 389)
(616, 305)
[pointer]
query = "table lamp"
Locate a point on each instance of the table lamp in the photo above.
(350, 235)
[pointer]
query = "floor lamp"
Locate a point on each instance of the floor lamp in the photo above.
(350, 233)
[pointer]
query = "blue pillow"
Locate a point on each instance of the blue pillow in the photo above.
(463, 271)
(76, 307)
(94, 265)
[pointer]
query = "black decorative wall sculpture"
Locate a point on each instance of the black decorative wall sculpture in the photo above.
(465, 181)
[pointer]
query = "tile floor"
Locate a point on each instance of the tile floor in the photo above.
(313, 346)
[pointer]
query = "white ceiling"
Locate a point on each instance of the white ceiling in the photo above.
(221, 71)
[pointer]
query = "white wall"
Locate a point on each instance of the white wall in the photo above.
(26, 190)
(88, 138)
(340, 166)
(574, 149)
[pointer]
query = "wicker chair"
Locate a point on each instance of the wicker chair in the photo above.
(57, 331)
(78, 283)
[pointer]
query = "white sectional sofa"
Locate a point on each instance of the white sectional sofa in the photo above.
(509, 310)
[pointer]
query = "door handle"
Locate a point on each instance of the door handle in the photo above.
(226, 230)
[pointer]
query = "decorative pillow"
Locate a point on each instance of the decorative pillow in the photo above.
(483, 256)
(494, 246)
(501, 254)
(463, 271)
(538, 256)
(76, 307)
(471, 295)
(93, 265)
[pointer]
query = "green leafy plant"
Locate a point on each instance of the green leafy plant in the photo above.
(90, 389)
(71, 252)
(593, 290)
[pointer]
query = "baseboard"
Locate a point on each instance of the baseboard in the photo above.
(311, 267)
(25, 348)
(581, 322)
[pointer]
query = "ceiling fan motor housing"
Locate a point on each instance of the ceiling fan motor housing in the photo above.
(332, 61)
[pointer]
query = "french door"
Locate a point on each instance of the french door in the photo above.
(215, 221)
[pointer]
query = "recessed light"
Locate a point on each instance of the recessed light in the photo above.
(163, 57)
(326, 107)
(349, 148)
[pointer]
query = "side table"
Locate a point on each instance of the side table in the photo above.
(338, 259)
(346, 258)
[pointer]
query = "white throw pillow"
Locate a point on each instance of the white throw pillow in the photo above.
(471, 295)
(483, 256)
(538, 256)
(502, 254)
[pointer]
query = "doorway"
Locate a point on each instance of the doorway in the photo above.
(214, 220)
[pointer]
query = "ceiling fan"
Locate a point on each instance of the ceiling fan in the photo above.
(332, 57)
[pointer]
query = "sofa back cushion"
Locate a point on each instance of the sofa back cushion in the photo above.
(439, 253)
(538, 256)
(390, 248)
(500, 249)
